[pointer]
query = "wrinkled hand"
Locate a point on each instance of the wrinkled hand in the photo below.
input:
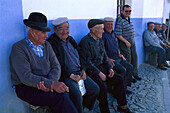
(59, 87)
(111, 62)
(111, 73)
(83, 74)
(128, 44)
(121, 56)
(102, 76)
(75, 77)
(42, 87)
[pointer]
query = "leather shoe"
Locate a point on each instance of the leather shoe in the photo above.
(160, 66)
(134, 80)
(127, 110)
(137, 77)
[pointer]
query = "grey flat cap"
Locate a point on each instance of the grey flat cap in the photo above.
(109, 19)
(59, 21)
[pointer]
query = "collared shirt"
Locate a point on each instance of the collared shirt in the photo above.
(111, 44)
(124, 28)
(71, 56)
(151, 39)
(38, 49)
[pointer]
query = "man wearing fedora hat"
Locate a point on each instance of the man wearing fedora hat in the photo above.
(35, 70)
(92, 52)
(72, 69)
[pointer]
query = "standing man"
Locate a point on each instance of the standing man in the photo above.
(125, 33)
(92, 52)
(116, 59)
(72, 69)
(35, 70)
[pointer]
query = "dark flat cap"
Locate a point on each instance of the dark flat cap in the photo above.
(157, 23)
(164, 25)
(94, 22)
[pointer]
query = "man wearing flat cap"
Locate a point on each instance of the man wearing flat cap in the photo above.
(116, 59)
(162, 31)
(92, 52)
(72, 68)
(154, 44)
(35, 70)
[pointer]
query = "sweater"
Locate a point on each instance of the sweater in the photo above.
(29, 69)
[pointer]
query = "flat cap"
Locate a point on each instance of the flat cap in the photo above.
(59, 21)
(164, 25)
(109, 19)
(157, 23)
(94, 22)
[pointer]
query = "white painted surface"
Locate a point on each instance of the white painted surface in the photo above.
(153, 8)
(73, 9)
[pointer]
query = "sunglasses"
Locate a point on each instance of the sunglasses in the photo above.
(128, 11)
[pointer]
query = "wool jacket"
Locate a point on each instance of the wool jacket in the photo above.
(93, 53)
(56, 44)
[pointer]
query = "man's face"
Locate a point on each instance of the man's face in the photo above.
(38, 37)
(151, 27)
(126, 12)
(62, 31)
(164, 28)
(158, 27)
(98, 31)
(109, 26)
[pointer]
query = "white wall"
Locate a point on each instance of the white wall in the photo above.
(73, 9)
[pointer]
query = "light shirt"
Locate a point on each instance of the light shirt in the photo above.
(38, 49)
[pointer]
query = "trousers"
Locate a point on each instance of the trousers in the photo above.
(57, 102)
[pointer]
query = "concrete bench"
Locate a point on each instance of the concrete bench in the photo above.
(152, 59)
(38, 109)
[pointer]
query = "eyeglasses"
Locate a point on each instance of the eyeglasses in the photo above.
(62, 29)
(128, 11)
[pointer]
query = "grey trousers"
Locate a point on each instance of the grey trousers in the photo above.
(130, 54)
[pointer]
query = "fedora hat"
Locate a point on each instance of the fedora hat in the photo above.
(37, 21)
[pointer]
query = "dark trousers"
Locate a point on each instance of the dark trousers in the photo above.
(124, 69)
(118, 91)
(130, 54)
(160, 51)
(58, 102)
(88, 100)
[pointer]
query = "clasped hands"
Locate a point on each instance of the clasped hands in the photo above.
(103, 76)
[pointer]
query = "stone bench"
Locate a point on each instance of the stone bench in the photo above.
(38, 109)
(152, 59)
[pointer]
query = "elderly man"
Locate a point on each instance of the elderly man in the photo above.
(154, 44)
(92, 52)
(125, 33)
(116, 59)
(162, 31)
(35, 70)
(72, 69)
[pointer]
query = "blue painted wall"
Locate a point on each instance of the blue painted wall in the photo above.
(11, 30)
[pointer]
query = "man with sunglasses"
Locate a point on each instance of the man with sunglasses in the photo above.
(72, 69)
(125, 33)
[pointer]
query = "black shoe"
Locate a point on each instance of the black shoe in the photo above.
(127, 110)
(162, 67)
(134, 80)
(128, 92)
(137, 77)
